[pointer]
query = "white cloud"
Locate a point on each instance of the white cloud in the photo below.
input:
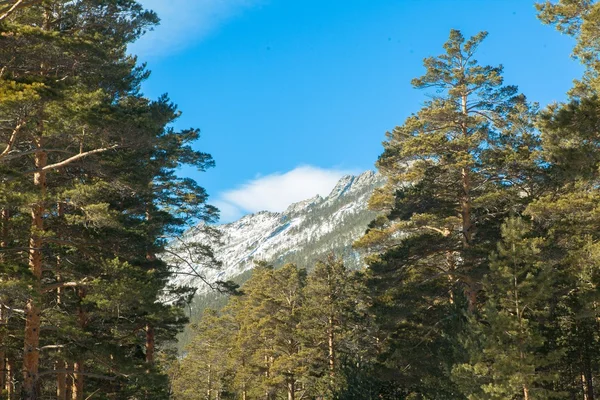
(228, 212)
(277, 191)
(184, 22)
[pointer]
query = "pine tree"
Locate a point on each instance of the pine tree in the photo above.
(333, 324)
(94, 164)
(512, 362)
(455, 170)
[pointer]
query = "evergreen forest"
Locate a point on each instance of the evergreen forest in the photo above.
(481, 268)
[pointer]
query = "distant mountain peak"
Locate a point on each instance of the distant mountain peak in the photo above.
(306, 230)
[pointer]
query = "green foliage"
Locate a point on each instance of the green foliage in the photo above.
(286, 334)
(88, 199)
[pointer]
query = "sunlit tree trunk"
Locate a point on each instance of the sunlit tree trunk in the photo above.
(10, 371)
(32, 309)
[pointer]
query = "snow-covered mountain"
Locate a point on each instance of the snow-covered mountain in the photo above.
(304, 232)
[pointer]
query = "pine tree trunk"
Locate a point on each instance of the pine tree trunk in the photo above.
(465, 206)
(2, 370)
(525, 393)
(291, 389)
(77, 386)
(2, 352)
(69, 383)
(209, 390)
(61, 377)
(4, 215)
(331, 338)
(149, 344)
(61, 381)
(10, 370)
(78, 366)
(587, 383)
(33, 311)
(465, 202)
(150, 339)
(267, 394)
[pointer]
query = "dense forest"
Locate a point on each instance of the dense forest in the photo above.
(88, 199)
(481, 269)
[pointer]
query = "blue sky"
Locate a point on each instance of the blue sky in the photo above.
(292, 94)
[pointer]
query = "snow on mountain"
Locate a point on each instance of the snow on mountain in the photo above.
(302, 233)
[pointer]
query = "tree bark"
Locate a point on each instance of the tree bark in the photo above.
(77, 386)
(331, 344)
(525, 393)
(465, 206)
(61, 380)
(78, 366)
(9, 388)
(150, 344)
(209, 390)
(2, 370)
(33, 311)
(465, 201)
(291, 389)
(588, 384)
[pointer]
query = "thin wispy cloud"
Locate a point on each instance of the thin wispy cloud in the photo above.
(277, 191)
(185, 22)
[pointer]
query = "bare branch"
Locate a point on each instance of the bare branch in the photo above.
(61, 285)
(13, 138)
(77, 157)
(16, 6)
(191, 266)
(11, 10)
(52, 347)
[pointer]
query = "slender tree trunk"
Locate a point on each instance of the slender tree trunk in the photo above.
(451, 265)
(525, 392)
(61, 381)
(331, 343)
(465, 201)
(77, 386)
(33, 311)
(587, 383)
(2, 370)
(78, 366)
(4, 215)
(149, 344)
(150, 338)
(69, 383)
(291, 389)
(465, 206)
(10, 371)
(267, 375)
(61, 377)
(3, 319)
(209, 390)
(244, 394)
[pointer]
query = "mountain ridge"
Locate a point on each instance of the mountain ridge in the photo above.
(305, 231)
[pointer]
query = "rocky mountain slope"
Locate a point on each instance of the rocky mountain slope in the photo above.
(301, 234)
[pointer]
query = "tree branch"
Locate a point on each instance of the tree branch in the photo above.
(13, 138)
(52, 347)
(192, 268)
(77, 157)
(61, 285)
(17, 5)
